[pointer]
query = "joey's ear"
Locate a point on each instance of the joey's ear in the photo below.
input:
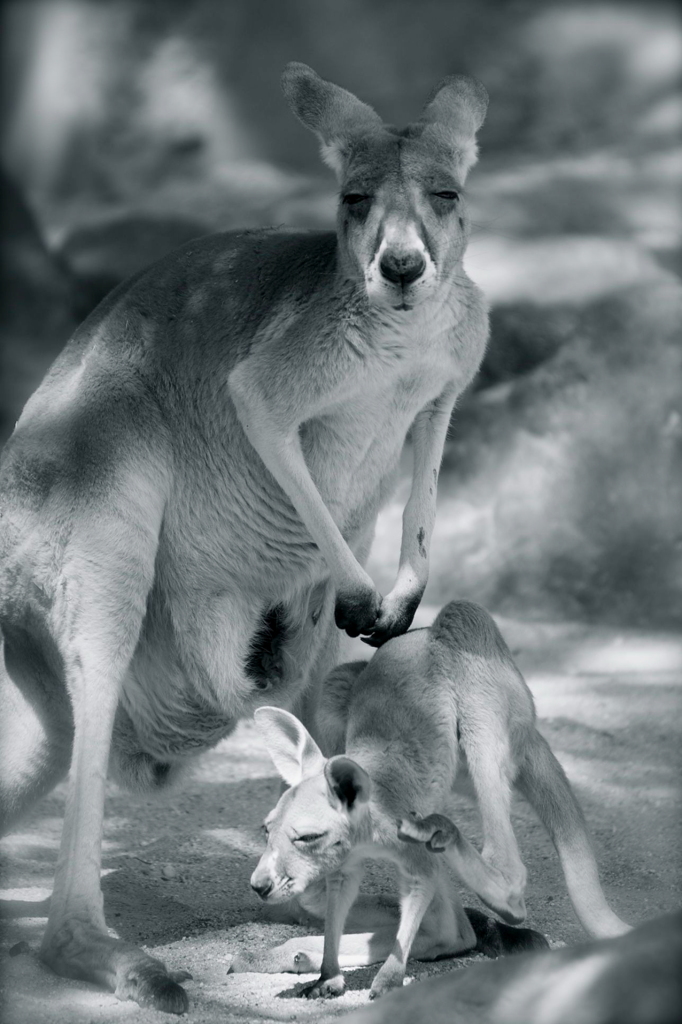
(333, 113)
(456, 110)
(347, 781)
(294, 752)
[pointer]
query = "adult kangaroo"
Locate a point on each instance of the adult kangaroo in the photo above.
(189, 497)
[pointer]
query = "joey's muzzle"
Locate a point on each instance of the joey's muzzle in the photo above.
(262, 882)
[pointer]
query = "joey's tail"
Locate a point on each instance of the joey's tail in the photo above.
(542, 781)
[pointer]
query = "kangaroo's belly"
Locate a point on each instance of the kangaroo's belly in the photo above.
(229, 525)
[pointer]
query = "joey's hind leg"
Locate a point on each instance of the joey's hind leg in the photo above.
(492, 773)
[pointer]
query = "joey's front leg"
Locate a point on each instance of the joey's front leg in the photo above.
(428, 438)
(271, 418)
(341, 893)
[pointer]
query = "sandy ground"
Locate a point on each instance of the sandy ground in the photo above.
(609, 703)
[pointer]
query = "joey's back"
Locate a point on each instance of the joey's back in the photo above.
(402, 729)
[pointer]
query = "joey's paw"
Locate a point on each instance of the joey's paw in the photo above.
(394, 618)
(436, 831)
(356, 609)
(325, 989)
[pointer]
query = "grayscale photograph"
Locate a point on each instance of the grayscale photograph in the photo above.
(341, 511)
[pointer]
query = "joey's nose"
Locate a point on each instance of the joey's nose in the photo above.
(402, 269)
(263, 888)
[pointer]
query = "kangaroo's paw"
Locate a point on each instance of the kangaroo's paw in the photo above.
(78, 949)
(394, 618)
(356, 610)
(326, 988)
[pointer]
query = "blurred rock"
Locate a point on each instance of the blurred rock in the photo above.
(38, 299)
(562, 488)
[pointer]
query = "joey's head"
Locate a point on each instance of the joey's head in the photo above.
(313, 827)
(402, 223)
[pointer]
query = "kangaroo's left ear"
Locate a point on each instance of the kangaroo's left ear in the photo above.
(456, 110)
(348, 782)
(295, 753)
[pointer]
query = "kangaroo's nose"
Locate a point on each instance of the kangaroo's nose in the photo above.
(402, 268)
(263, 888)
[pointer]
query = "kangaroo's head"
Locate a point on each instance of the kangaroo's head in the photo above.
(313, 827)
(402, 223)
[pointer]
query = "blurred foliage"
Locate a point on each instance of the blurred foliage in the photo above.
(134, 125)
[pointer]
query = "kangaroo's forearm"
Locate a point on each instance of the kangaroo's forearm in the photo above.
(278, 446)
(430, 431)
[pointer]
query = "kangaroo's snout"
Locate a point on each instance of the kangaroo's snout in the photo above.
(402, 268)
(263, 887)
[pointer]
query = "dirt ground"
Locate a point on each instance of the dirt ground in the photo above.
(175, 872)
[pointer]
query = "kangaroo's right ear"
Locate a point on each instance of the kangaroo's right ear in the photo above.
(333, 113)
(294, 752)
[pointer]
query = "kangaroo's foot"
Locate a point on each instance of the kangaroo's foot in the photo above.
(78, 949)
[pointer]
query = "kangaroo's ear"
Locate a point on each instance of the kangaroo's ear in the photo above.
(294, 752)
(456, 110)
(333, 113)
(348, 782)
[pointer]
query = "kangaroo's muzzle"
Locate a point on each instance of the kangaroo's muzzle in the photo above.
(402, 268)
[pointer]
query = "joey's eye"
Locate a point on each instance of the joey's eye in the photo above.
(353, 198)
(447, 194)
(310, 837)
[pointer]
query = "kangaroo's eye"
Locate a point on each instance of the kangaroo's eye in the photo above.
(447, 194)
(310, 837)
(353, 198)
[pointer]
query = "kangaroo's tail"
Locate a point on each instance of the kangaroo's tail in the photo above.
(542, 781)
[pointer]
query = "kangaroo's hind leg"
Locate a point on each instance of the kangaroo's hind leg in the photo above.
(106, 572)
(36, 725)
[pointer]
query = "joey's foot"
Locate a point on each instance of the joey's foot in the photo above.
(495, 939)
(436, 831)
(284, 959)
(326, 988)
(386, 980)
(356, 609)
(76, 948)
(510, 907)
(394, 618)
